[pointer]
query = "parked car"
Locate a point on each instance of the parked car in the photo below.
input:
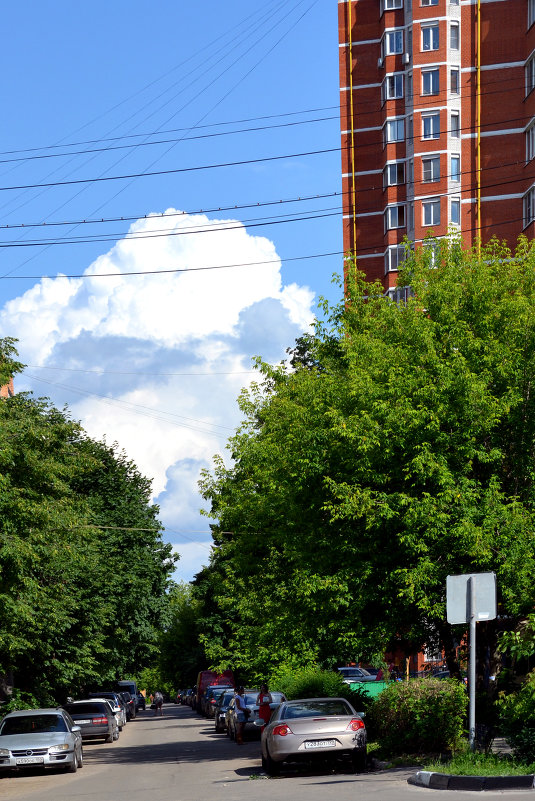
(353, 673)
(129, 704)
(47, 737)
(141, 702)
(209, 699)
(220, 712)
(314, 728)
(129, 686)
(187, 696)
(250, 697)
(117, 704)
(95, 718)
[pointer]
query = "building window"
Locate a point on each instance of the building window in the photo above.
(409, 41)
(431, 125)
(529, 206)
(391, 5)
(394, 130)
(429, 2)
(394, 258)
(531, 12)
(530, 142)
(392, 43)
(430, 36)
(394, 217)
(431, 169)
(431, 211)
(455, 171)
(430, 81)
(530, 75)
(454, 36)
(455, 82)
(454, 2)
(455, 125)
(392, 87)
(394, 174)
(455, 213)
(410, 171)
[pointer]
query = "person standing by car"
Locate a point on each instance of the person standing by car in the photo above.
(158, 703)
(239, 702)
(264, 700)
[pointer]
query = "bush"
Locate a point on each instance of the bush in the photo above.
(313, 682)
(517, 720)
(419, 716)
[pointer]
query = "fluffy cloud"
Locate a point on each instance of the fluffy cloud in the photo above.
(166, 353)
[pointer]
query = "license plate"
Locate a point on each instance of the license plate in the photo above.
(80, 722)
(320, 744)
(30, 761)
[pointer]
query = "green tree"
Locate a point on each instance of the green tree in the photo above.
(181, 651)
(399, 450)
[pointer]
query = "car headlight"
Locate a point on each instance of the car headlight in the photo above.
(4, 752)
(57, 749)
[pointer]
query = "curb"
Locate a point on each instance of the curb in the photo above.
(445, 781)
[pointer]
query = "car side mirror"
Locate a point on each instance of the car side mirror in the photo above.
(259, 722)
(76, 729)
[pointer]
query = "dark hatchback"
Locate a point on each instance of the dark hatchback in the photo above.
(220, 712)
(95, 718)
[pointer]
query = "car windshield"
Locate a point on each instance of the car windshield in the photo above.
(225, 699)
(86, 709)
(312, 709)
(33, 724)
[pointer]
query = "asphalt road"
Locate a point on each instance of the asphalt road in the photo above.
(178, 757)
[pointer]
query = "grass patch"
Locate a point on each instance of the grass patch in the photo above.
(478, 764)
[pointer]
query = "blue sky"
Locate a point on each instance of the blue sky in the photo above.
(156, 361)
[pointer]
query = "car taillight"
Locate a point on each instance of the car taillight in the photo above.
(282, 730)
(212, 701)
(99, 721)
(355, 725)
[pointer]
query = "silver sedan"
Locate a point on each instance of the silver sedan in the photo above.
(313, 728)
(40, 737)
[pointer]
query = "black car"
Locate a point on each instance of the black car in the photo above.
(141, 702)
(220, 712)
(130, 704)
(211, 698)
(95, 718)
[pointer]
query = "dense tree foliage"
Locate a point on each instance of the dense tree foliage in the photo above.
(398, 448)
(83, 570)
(182, 653)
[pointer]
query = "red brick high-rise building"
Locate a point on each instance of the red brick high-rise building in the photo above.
(438, 123)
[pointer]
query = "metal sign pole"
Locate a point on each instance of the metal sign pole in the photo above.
(472, 666)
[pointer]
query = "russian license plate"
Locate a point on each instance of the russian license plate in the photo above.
(81, 722)
(30, 760)
(320, 744)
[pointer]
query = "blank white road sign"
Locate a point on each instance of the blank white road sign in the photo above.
(458, 596)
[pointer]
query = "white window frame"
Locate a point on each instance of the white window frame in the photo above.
(455, 174)
(429, 2)
(394, 130)
(395, 255)
(431, 211)
(455, 36)
(455, 71)
(431, 33)
(394, 216)
(430, 169)
(455, 203)
(529, 70)
(390, 5)
(531, 12)
(392, 86)
(394, 174)
(428, 75)
(395, 35)
(528, 206)
(431, 115)
(455, 127)
(530, 141)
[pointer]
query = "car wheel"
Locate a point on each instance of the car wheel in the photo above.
(271, 767)
(116, 734)
(358, 761)
(81, 758)
(72, 767)
(109, 738)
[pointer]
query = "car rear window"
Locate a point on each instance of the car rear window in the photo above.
(312, 709)
(29, 724)
(87, 709)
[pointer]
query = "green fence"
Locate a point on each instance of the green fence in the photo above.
(372, 688)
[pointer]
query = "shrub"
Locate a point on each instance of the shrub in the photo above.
(419, 716)
(517, 719)
(313, 682)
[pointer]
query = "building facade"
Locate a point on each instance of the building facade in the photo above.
(7, 390)
(438, 124)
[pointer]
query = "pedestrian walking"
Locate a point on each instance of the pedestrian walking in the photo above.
(158, 703)
(264, 699)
